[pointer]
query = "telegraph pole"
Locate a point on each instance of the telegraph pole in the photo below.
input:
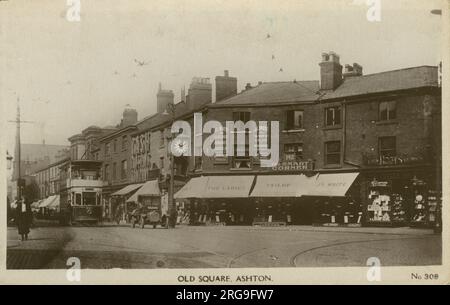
(19, 185)
(170, 110)
(18, 148)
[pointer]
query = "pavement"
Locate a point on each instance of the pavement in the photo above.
(120, 246)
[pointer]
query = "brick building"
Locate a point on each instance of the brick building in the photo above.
(383, 130)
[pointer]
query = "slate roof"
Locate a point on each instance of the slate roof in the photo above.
(309, 91)
(409, 78)
(275, 92)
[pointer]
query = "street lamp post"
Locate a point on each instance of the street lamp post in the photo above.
(170, 110)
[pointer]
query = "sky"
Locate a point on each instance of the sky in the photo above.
(71, 75)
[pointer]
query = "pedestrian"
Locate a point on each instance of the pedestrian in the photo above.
(23, 218)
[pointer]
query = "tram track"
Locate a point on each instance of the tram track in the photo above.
(293, 259)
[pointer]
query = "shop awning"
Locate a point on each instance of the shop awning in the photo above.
(193, 189)
(332, 185)
(150, 188)
(36, 204)
(127, 189)
(228, 187)
(54, 204)
(47, 201)
(281, 186)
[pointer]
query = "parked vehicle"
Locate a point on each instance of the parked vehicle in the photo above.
(149, 211)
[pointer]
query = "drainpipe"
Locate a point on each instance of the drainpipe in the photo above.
(344, 131)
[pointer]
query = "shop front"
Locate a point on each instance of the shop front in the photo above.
(217, 200)
(336, 200)
(401, 197)
(278, 200)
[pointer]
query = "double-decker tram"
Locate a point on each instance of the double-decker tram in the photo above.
(80, 192)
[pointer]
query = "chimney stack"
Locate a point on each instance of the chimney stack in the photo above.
(199, 92)
(226, 86)
(163, 98)
(330, 71)
(355, 70)
(129, 116)
(248, 86)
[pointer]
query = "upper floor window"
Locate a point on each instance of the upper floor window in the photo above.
(161, 138)
(124, 142)
(123, 170)
(293, 152)
(114, 174)
(115, 145)
(387, 146)
(332, 153)
(387, 110)
(242, 162)
(243, 116)
(294, 119)
(107, 148)
(106, 172)
(333, 116)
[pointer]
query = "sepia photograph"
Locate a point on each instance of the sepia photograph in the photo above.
(202, 139)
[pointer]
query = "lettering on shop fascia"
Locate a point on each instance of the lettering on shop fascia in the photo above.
(294, 166)
(392, 160)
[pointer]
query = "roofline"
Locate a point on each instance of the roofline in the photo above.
(376, 94)
(254, 105)
(117, 132)
(389, 71)
(167, 122)
(53, 164)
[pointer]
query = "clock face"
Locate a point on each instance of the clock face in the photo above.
(180, 147)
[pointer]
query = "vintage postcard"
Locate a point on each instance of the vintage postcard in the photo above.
(224, 142)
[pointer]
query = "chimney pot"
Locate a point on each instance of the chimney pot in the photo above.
(248, 86)
(330, 71)
(225, 73)
(355, 70)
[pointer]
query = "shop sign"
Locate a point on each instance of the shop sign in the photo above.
(393, 160)
(294, 166)
(376, 183)
(141, 165)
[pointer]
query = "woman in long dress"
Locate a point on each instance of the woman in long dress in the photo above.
(23, 217)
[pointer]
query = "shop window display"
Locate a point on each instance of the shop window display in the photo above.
(272, 212)
(386, 206)
(434, 200)
(338, 212)
(420, 208)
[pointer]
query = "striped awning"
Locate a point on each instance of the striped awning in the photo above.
(281, 186)
(127, 189)
(150, 188)
(54, 204)
(47, 201)
(193, 189)
(332, 185)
